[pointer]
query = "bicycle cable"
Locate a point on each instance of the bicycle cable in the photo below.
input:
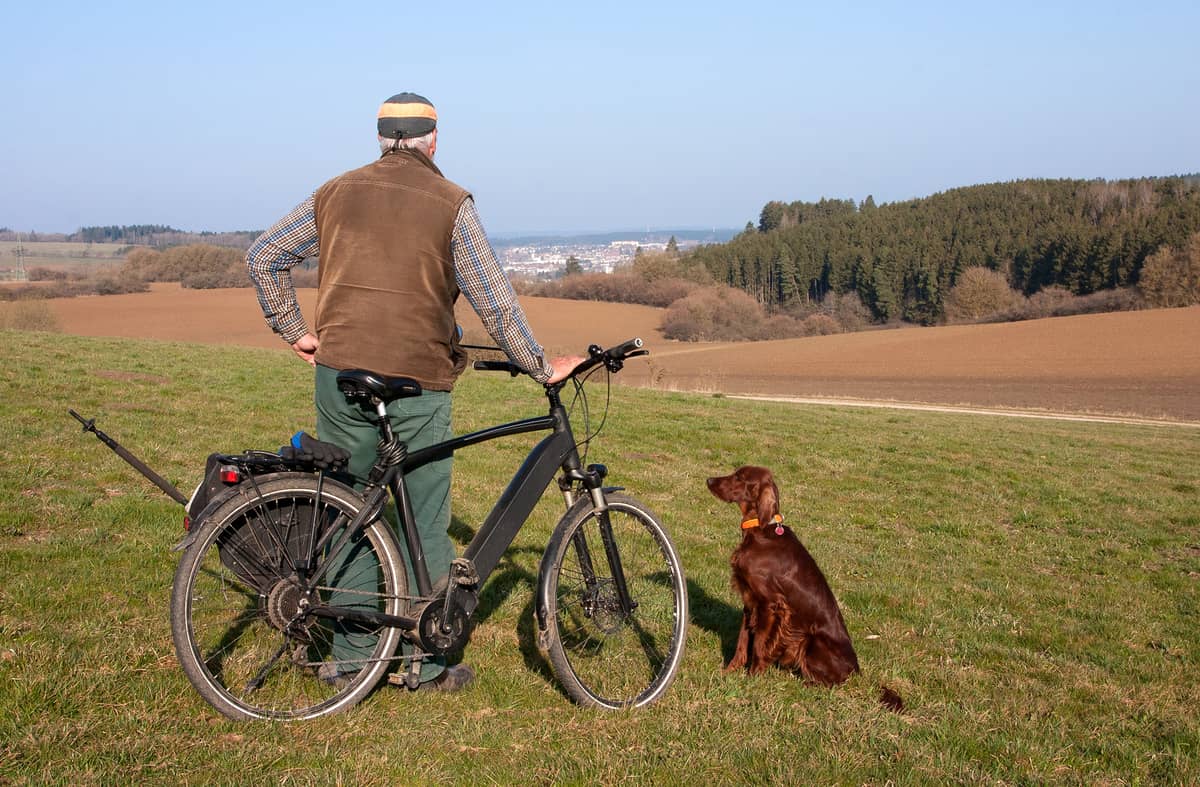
(581, 396)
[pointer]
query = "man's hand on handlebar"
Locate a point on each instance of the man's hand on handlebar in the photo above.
(567, 366)
(563, 366)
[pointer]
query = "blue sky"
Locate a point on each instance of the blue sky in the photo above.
(570, 117)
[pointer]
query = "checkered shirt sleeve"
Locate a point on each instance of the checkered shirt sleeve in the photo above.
(270, 261)
(490, 293)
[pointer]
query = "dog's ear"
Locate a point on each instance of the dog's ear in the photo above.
(768, 501)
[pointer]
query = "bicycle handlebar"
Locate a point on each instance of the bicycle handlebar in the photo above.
(613, 358)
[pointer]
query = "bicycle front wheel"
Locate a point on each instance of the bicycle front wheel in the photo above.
(612, 604)
(248, 596)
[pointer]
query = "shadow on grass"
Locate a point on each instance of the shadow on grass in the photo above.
(509, 577)
(460, 531)
(715, 615)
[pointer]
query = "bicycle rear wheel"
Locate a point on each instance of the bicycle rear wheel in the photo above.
(242, 620)
(604, 656)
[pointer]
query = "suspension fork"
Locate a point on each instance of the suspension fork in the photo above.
(592, 480)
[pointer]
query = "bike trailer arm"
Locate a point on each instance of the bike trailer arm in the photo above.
(89, 425)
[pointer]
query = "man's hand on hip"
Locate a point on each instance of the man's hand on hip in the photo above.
(306, 347)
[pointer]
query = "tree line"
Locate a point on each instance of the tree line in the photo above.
(159, 236)
(902, 259)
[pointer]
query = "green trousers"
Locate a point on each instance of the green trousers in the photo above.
(418, 421)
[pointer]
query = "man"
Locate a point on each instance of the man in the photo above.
(397, 243)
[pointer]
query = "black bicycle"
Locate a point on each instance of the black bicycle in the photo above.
(291, 598)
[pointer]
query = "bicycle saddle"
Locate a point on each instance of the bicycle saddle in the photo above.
(356, 384)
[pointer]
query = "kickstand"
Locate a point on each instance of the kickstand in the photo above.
(412, 679)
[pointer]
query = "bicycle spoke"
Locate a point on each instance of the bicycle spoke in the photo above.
(244, 628)
(605, 655)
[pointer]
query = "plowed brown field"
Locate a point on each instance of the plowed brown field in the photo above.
(1129, 363)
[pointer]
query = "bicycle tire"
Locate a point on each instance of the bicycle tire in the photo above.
(237, 621)
(601, 657)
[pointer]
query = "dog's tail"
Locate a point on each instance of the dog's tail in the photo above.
(890, 700)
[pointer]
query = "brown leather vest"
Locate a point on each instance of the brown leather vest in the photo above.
(386, 279)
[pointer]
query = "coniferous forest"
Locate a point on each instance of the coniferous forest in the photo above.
(903, 258)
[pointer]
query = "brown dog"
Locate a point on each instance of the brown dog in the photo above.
(789, 614)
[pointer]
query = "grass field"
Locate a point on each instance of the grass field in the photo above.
(62, 255)
(1030, 588)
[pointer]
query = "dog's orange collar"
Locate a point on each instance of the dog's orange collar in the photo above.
(776, 520)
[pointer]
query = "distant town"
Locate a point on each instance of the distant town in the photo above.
(544, 262)
(547, 257)
(530, 256)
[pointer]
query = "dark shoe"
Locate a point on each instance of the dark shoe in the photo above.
(452, 679)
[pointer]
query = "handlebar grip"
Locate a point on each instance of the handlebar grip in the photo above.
(624, 349)
(496, 366)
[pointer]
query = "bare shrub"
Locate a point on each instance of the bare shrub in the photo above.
(28, 316)
(117, 284)
(304, 278)
(216, 279)
(654, 266)
(849, 310)
(523, 285)
(198, 265)
(1171, 277)
(781, 326)
(47, 274)
(664, 292)
(1048, 302)
(1059, 302)
(714, 314)
(978, 294)
(22, 292)
(621, 287)
(800, 308)
(1120, 299)
(143, 263)
(42, 291)
(846, 311)
(819, 325)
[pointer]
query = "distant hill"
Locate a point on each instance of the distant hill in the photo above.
(160, 236)
(154, 235)
(902, 258)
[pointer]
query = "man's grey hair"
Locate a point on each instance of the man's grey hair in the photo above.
(422, 144)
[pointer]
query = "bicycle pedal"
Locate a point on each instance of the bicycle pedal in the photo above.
(464, 573)
(409, 679)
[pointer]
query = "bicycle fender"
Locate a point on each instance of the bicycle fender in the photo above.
(196, 524)
(245, 487)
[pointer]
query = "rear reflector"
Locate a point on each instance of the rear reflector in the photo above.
(230, 475)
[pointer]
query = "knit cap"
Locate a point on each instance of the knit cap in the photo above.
(406, 115)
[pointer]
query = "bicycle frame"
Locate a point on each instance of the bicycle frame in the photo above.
(554, 453)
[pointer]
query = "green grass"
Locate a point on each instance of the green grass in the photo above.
(1030, 588)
